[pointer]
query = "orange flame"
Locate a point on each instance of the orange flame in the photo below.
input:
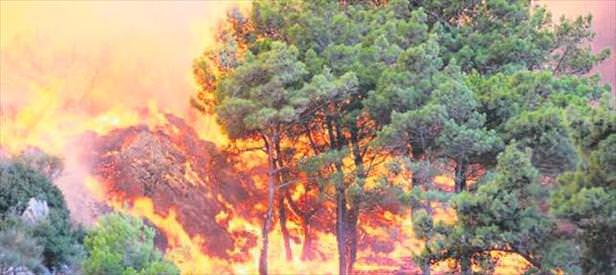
(97, 74)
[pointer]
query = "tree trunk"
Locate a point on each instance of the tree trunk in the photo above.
(465, 266)
(268, 216)
(306, 216)
(340, 226)
(460, 185)
(425, 268)
(307, 245)
(340, 202)
(460, 177)
(282, 208)
(416, 182)
(353, 217)
(351, 244)
(282, 216)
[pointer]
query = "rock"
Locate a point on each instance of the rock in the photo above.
(36, 211)
(18, 270)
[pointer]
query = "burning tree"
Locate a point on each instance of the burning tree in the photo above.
(258, 100)
(445, 87)
(343, 66)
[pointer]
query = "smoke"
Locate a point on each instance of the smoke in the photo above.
(73, 67)
(88, 58)
(604, 24)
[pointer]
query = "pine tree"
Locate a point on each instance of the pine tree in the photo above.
(259, 100)
(586, 196)
(442, 86)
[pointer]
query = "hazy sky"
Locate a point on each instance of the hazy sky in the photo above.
(604, 24)
(139, 50)
(84, 58)
(70, 66)
(136, 50)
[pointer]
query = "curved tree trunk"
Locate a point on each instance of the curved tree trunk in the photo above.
(306, 217)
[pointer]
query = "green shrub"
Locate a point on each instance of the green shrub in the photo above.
(19, 249)
(19, 182)
(122, 244)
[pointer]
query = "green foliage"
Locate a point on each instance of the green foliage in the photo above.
(122, 244)
(501, 214)
(587, 196)
(445, 86)
(546, 132)
(592, 126)
(575, 56)
(503, 97)
(19, 249)
(60, 240)
(503, 36)
(18, 183)
(259, 94)
(414, 128)
(464, 137)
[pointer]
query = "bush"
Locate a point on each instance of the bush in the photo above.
(18, 249)
(62, 243)
(19, 182)
(122, 244)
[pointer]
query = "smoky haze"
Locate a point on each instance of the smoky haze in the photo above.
(67, 61)
(69, 67)
(604, 24)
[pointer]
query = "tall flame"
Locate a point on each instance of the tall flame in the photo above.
(72, 68)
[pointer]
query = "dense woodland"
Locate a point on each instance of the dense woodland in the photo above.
(494, 94)
(362, 101)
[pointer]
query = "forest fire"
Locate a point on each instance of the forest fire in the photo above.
(209, 216)
(209, 212)
(298, 138)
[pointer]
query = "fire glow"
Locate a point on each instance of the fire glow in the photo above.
(82, 84)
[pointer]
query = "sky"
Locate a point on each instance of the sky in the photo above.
(71, 66)
(64, 64)
(604, 24)
(93, 49)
